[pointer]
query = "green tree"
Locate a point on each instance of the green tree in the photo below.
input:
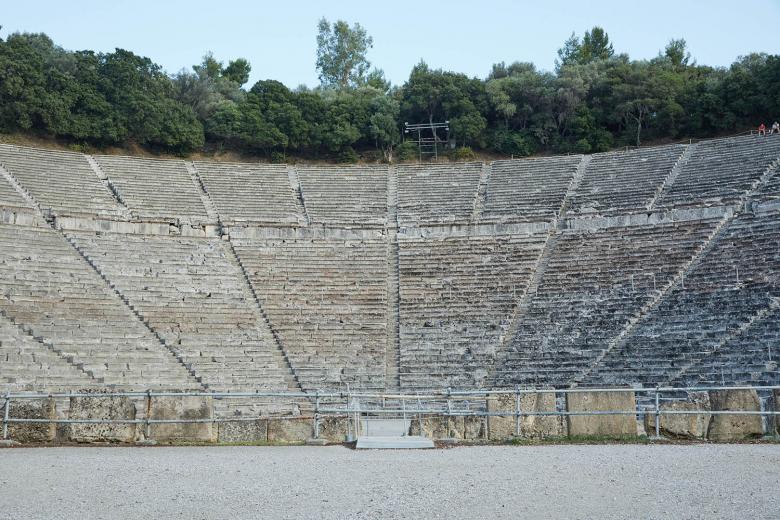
(383, 125)
(595, 46)
(341, 54)
(570, 53)
(237, 71)
(676, 52)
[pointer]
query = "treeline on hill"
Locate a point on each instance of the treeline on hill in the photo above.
(593, 101)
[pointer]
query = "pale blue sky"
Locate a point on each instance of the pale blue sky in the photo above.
(278, 38)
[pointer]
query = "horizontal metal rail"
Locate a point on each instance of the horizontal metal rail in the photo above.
(440, 402)
(428, 394)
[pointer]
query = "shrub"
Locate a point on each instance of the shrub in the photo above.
(464, 153)
(407, 151)
(347, 156)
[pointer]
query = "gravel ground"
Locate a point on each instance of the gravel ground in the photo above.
(603, 482)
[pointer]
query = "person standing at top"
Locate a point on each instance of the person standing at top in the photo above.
(775, 128)
(762, 129)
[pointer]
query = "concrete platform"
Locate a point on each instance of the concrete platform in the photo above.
(393, 443)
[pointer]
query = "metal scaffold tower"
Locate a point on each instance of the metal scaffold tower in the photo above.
(427, 138)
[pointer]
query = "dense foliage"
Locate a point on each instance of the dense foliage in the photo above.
(594, 100)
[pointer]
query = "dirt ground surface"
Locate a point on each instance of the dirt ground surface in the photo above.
(555, 481)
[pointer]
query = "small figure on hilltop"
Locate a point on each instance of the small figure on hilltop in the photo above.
(775, 128)
(762, 129)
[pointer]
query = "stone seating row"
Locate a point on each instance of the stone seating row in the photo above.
(456, 296)
(326, 300)
(700, 322)
(344, 195)
(9, 198)
(528, 189)
(61, 182)
(720, 171)
(47, 287)
(250, 192)
(437, 193)
(591, 287)
(714, 172)
(27, 364)
(154, 188)
(616, 183)
(191, 293)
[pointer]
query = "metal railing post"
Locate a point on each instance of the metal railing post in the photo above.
(517, 411)
(419, 417)
(6, 415)
(403, 409)
(657, 412)
(317, 416)
(147, 427)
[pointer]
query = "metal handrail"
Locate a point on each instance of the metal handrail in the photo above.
(353, 407)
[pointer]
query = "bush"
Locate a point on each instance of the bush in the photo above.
(464, 153)
(407, 151)
(372, 156)
(347, 156)
(278, 158)
(511, 143)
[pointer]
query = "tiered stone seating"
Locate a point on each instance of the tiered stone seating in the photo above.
(61, 182)
(437, 193)
(617, 183)
(46, 286)
(528, 189)
(749, 358)
(731, 284)
(347, 195)
(325, 298)
(9, 198)
(154, 188)
(334, 285)
(721, 171)
(593, 284)
(250, 193)
(456, 296)
(26, 364)
(191, 294)
(769, 193)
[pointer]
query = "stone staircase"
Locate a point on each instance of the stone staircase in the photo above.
(292, 381)
(673, 174)
(295, 182)
(479, 196)
(134, 311)
(392, 354)
(761, 315)
(56, 352)
(126, 213)
(542, 261)
(205, 198)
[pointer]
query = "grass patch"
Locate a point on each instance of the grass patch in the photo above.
(583, 439)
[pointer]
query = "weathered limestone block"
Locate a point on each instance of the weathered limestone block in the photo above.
(531, 426)
(439, 427)
(735, 427)
(106, 407)
(32, 409)
(290, 431)
(243, 431)
(777, 409)
(693, 426)
(474, 428)
(183, 407)
(334, 429)
(610, 425)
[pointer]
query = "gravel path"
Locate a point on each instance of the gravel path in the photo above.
(604, 482)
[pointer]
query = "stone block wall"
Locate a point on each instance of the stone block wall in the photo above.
(598, 425)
